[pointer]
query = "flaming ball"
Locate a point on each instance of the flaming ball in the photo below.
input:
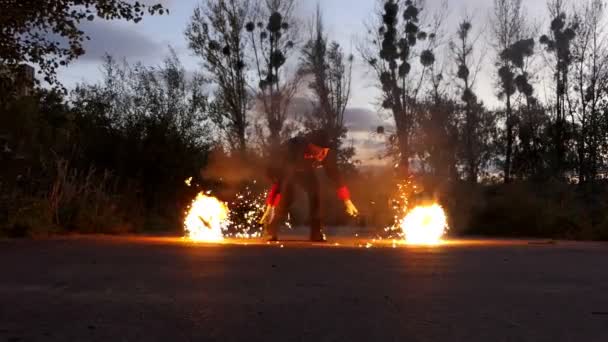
(207, 219)
(425, 225)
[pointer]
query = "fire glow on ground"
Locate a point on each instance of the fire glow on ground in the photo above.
(208, 219)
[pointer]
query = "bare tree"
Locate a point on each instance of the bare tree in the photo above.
(558, 43)
(395, 42)
(531, 119)
(462, 48)
(331, 74)
(508, 26)
(273, 35)
(437, 136)
(439, 130)
(216, 33)
(590, 77)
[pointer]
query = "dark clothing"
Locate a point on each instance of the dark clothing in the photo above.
(309, 182)
(292, 159)
(296, 167)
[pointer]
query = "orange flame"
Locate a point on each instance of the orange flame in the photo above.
(207, 219)
(425, 225)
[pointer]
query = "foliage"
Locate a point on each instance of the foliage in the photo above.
(113, 157)
(476, 123)
(539, 209)
(392, 50)
(330, 73)
(33, 31)
(154, 119)
(558, 44)
(273, 35)
(217, 34)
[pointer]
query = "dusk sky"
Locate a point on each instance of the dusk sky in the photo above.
(149, 43)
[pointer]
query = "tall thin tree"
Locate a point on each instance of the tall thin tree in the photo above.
(462, 48)
(590, 74)
(395, 44)
(273, 36)
(216, 33)
(330, 73)
(558, 44)
(508, 26)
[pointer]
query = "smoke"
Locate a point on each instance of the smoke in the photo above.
(230, 169)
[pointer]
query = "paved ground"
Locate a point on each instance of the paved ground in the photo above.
(136, 289)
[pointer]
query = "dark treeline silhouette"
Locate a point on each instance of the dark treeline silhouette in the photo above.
(113, 156)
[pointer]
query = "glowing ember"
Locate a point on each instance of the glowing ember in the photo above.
(424, 225)
(246, 209)
(207, 219)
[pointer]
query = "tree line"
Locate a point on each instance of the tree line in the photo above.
(549, 81)
(556, 132)
(147, 129)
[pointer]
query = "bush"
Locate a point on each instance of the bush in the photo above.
(112, 159)
(28, 217)
(87, 202)
(550, 210)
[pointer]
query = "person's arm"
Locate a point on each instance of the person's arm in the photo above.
(274, 195)
(333, 173)
(281, 177)
(272, 201)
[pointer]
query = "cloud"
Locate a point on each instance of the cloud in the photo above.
(362, 124)
(368, 146)
(357, 120)
(118, 40)
(363, 120)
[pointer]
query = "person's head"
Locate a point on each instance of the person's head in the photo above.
(318, 145)
(316, 152)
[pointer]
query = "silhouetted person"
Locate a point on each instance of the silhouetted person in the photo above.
(295, 164)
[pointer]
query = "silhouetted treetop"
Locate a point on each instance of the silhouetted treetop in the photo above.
(518, 51)
(31, 31)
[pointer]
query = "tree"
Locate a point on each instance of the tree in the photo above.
(529, 153)
(395, 43)
(508, 26)
(439, 130)
(217, 34)
(273, 37)
(529, 117)
(589, 88)
(437, 127)
(331, 73)
(462, 49)
(146, 124)
(112, 156)
(558, 44)
(514, 49)
(29, 29)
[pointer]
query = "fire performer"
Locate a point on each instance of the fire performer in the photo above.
(296, 163)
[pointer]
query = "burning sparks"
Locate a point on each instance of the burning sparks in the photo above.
(424, 225)
(210, 220)
(416, 223)
(207, 219)
(245, 212)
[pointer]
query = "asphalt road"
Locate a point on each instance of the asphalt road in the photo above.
(140, 289)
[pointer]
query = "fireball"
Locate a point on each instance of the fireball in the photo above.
(207, 219)
(424, 225)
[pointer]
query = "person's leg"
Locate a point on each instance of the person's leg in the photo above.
(312, 187)
(281, 213)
